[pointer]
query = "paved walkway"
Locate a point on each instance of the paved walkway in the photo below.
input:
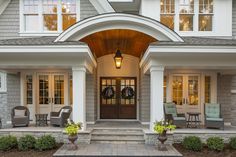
(116, 150)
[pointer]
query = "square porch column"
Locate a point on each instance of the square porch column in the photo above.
(156, 106)
(79, 95)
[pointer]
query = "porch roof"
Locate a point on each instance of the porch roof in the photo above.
(188, 41)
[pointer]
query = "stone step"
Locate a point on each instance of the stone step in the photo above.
(116, 132)
(117, 138)
(117, 142)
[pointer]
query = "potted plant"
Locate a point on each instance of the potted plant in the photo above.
(72, 132)
(161, 128)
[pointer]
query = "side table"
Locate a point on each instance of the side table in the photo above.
(193, 120)
(41, 119)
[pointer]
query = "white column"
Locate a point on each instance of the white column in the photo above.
(79, 95)
(156, 106)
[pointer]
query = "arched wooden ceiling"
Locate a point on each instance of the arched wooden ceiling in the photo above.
(128, 41)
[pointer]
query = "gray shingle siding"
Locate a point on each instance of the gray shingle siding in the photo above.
(11, 98)
(9, 21)
(87, 9)
(234, 19)
(144, 110)
(226, 83)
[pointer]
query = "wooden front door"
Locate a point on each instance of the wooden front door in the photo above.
(117, 106)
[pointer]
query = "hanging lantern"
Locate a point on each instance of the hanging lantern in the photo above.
(118, 59)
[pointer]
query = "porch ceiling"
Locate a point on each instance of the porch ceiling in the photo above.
(128, 41)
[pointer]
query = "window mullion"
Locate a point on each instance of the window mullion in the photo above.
(59, 16)
(40, 14)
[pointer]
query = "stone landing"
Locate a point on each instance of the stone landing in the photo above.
(128, 150)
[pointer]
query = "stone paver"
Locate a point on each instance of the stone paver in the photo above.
(116, 150)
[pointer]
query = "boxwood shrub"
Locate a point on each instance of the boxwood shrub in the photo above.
(46, 142)
(215, 143)
(193, 143)
(26, 142)
(232, 143)
(8, 142)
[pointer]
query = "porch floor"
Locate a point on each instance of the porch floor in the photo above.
(116, 150)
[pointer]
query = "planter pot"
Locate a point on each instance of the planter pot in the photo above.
(72, 139)
(162, 138)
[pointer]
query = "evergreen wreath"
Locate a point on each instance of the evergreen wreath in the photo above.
(108, 92)
(127, 93)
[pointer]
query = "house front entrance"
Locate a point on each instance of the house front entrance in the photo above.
(118, 97)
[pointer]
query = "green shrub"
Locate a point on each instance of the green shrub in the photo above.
(215, 143)
(232, 142)
(192, 143)
(45, 142)
(26, 142)
(8, 142)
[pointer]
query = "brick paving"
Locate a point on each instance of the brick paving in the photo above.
(116, 150)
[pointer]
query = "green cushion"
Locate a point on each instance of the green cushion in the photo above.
(170, 109)
(212, 110)
(215, 119)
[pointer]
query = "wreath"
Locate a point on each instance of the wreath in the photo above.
(127, 93)
(108, 92)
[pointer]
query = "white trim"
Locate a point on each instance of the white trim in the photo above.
(102, 6)
(3, 5)
(119, 21)
(3, 87)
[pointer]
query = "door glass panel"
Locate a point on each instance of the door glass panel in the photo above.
(127, 91)
(207, 89)
(108, 83)
(29, 89)
(177, 90)
(59, 89)
(43, 89)
(193, 90)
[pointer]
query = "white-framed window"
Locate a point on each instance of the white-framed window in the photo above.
(168, 13)
(3, 82)
(205, 18)
(186, 15)
(48, 16)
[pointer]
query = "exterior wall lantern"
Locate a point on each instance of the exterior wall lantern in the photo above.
(118, 59)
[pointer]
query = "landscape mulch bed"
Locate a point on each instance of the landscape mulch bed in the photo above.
(205, 152)
(31, 153)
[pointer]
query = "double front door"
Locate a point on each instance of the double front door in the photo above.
(51, 92)
(118, 98)
(186, 92)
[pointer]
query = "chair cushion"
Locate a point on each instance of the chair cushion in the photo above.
(212, 110)
(170, 109)
(19, 113)
(64, 110)
(179, 118)
(215, 119)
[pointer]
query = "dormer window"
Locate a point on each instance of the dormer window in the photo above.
(48, 16)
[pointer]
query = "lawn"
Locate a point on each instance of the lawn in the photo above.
(227, 152)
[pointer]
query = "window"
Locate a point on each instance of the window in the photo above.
(68, 13)
(168, 13)
(71, 90)
(205, 15)
(31, 15)
(29, 89)
(186, 14)
(165, 89)
(3, 82)
(47, 16)
(207, 89)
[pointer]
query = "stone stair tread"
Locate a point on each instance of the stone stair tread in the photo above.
(117, 133)
(116, 138)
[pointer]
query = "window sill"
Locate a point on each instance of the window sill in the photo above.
(29, 34)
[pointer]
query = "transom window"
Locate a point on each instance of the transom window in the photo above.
(49, 15)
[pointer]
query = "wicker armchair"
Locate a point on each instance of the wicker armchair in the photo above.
(60, 118)
(20, 116)
(171, 115)
(213, 118)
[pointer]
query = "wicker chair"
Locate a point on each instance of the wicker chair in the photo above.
(213, 118)
(60, 118)
(171, 115)
(20, 116)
